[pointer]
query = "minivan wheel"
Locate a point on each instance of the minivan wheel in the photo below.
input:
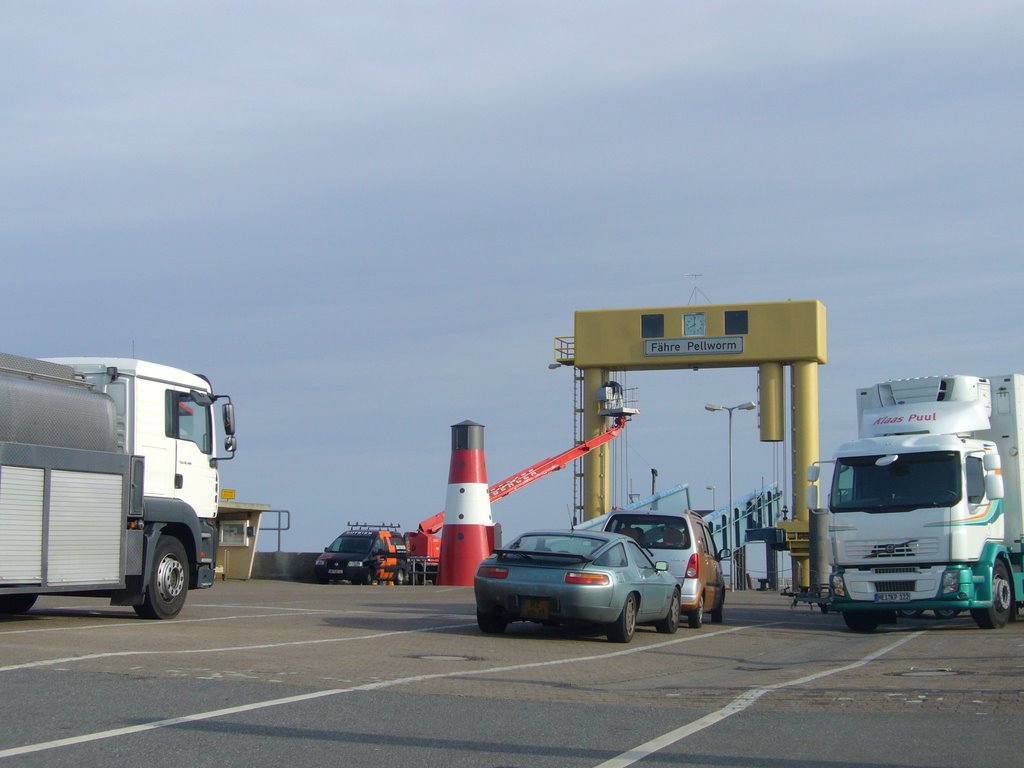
(716, 613)
(695, 618)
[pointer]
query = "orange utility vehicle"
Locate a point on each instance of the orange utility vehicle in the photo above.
(365, 554)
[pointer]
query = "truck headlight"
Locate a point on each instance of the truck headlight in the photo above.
(950, 582)
(838, 586)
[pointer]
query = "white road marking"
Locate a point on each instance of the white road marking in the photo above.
(374, 686)
(142, 623)
(737, 705)
(228, 648)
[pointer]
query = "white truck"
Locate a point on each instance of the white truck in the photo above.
(108, 481)
(925, 507)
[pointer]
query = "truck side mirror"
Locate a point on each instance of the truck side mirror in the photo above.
(994, 486)
(811, 497)
(228, 414)
(992, 462)
(813, 473)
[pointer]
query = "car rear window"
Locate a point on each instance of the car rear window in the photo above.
(568, 545)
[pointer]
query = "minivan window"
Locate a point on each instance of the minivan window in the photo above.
(659, 531)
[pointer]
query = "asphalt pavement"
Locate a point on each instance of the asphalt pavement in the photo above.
(264, 673)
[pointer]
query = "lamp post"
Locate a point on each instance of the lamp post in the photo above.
(749, 406)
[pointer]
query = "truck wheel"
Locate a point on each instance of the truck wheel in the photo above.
(861, 621)
(1002, 600)
(621, 630)
(168, 581)
(17, 603)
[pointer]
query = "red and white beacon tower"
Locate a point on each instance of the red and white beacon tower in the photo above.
(468, 533)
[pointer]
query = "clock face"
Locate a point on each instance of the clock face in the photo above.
(694, 324)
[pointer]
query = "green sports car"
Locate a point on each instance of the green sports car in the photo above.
(576, 577)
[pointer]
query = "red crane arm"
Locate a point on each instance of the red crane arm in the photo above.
(547, 466)
(536, 471)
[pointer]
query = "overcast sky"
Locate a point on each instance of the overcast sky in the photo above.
(368, 221)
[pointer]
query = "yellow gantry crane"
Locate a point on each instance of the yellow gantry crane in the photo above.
(767, 335)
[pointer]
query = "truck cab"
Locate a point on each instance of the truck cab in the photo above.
(166, 416)
(920, 515)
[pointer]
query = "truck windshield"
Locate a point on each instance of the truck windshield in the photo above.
(912, 481)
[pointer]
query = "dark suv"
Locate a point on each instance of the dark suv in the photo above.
(365, 554)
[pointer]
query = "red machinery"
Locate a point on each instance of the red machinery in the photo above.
(425, 544)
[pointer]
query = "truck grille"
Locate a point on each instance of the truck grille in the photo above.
(895, 586)
(883, 550)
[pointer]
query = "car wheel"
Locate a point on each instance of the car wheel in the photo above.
(946, 613)
(910, 613)
(716, 613)
(323, 580)
(695, 618)
(622, 629)
(1002, 600)
(670, 623)
(861, 621)
(491, 623)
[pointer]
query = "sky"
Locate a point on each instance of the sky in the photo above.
(367, 222)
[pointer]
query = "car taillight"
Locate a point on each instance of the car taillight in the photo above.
(693, 567)
(492, 572)
(593, 579)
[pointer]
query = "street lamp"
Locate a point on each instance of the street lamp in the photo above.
(730, 408)
(714, 505)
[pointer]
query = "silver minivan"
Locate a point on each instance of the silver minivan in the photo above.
(684, 541)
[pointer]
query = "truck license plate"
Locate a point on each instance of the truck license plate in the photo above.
(892, 597)
(537, 608)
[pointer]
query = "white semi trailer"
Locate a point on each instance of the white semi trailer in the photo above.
(925, 507)
(108, 481)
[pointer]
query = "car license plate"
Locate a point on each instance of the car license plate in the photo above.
(335, 571)
(892, 597)
(538, 608)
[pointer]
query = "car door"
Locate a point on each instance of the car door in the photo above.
(710, 565)
(195, 478)
(655, 589)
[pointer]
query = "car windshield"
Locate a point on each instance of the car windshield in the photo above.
(659, 531)
(896, 483)
(356, 545)
(563, 544)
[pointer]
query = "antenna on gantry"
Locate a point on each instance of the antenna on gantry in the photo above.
(697, 293)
